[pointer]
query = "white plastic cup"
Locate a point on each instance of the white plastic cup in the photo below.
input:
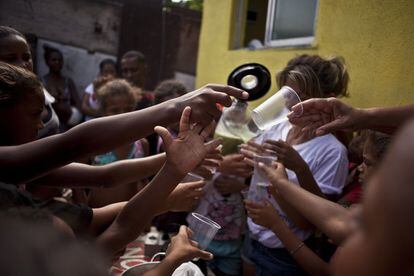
(275, 109)
(204, 230)
(262, 182)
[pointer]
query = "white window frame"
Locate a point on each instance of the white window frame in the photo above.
(297, 41)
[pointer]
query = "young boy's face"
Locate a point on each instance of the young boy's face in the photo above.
(108, 70)
(382, 241)
(22, 121)
(133, 71)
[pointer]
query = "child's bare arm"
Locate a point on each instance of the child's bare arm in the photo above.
(77, 175)
(26, 162)
(267, 216)
(329, 217)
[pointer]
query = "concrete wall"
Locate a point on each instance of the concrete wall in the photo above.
(376, 38)
(89, 24)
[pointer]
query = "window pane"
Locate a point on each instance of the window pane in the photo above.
(294, 18)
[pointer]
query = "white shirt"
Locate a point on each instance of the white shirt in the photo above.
(328, 162)
(93, 103)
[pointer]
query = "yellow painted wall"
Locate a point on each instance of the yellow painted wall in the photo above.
(375, 37)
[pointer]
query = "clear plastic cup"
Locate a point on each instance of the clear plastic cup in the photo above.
(247, 193)
(275, 109)
(262, 182)
(204, 230)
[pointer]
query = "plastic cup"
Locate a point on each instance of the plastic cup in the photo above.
(248, 193)
(191, 177)
(262, 182)
(275, 109)
(204, 230)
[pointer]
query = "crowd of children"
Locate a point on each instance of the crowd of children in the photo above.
(342, 178)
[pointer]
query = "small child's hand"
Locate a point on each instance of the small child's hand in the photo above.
(188, 150)
(233, 164)
(262, 214)
(286, 154)
(274, 173)
(249, 150)
(185, 196)
(182, 249)
(210, 163)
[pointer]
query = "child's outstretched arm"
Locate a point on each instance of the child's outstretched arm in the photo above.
(267, 216)
(78, 175)
(183, 198)
(26, 162)
(292, 160)
(183, 154)
(180, 250)
(329, 217)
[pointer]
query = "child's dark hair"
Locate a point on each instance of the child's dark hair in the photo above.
(6, 31)
(135, 54)
(107, 61)
(379, 143)
(49, 50)
(101, 81)
(15, 82)
(169, 88)
(316, 76)
(117, 87)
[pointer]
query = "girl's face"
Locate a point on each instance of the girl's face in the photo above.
(117, 104)
(15, 50)
(55, 62)
(369, 162)
(22, 121)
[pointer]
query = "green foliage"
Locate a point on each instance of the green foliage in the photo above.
(190, 4)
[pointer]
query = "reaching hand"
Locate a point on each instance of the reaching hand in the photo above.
(188, 150)
(185, 196)
(286, 154)
(325, 116)
(249, 150)
(275, 174)
(203, 101)
(209, 165)
(262, 214)
(182, 249)
(233, 164)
